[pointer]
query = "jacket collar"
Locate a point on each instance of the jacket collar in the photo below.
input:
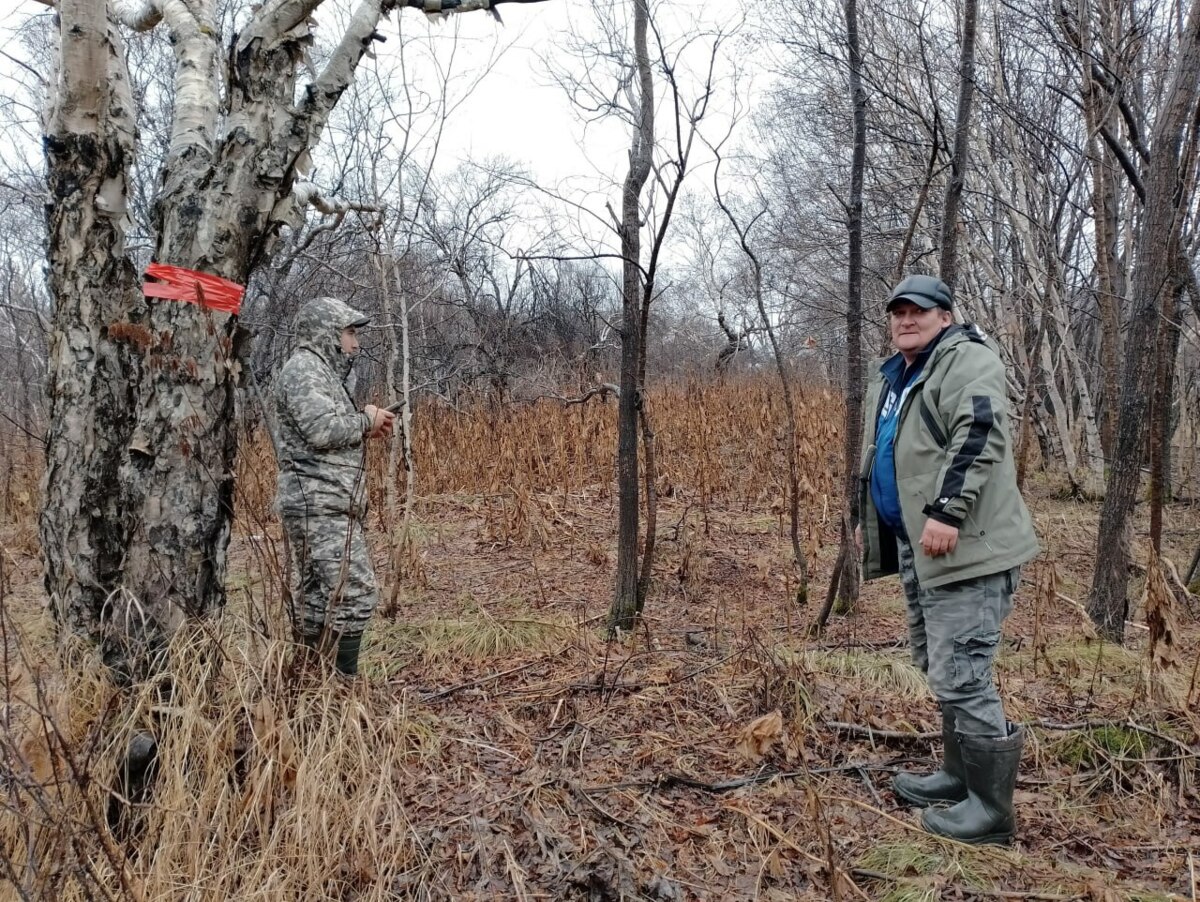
(892, 368)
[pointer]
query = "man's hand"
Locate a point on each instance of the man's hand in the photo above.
(381, 421)
(938, 538)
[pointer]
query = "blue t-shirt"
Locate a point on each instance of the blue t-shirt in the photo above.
(884, 493)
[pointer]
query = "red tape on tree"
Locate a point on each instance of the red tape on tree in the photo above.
(174, 283)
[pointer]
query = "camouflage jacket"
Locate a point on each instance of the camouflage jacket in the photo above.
(321, 447)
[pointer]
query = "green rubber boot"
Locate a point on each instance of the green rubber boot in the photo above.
(348, 648)
(945, 785)
(986, 816)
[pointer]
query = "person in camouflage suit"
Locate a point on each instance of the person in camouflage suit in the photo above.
(322, 479)
(940, 506)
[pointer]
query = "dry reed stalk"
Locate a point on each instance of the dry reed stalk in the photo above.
(271, 782)
(715, 440)
(1044, 599)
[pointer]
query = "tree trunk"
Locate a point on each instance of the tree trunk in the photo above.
(1061, 426)
(948, 263)
(1154, 273)
(852, 431)
(623, 612)
(1104, 218)
(1033, 376)
(94, 358)
(1160, 425)
(646, 576)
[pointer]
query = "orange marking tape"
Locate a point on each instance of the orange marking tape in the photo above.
(174, 283)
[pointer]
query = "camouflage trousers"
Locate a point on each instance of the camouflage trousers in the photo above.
(954, 632)
(334, 578)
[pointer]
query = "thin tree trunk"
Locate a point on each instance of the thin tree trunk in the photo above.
(790, 435)
(1160, 436)
(1061, 425)
(625, 594)
(400, 448)
(914, 218)
(646, 576)
(1032, 379)
(852, 431)
(948, 263)
(1075, 371)
(789, 406)
(1104, 212)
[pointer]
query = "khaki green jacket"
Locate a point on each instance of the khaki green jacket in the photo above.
(954, 462)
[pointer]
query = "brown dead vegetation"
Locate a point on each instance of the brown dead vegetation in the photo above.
(499, 748)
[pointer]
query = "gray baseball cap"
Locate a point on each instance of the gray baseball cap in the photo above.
(926, 292)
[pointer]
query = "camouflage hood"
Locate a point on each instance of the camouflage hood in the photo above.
(319, 325)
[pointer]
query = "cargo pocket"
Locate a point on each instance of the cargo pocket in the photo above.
(973, 656)
(1014, 580)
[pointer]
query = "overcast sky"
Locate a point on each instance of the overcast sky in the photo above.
(516, 109)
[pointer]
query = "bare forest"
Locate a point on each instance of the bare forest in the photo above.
(623, 650)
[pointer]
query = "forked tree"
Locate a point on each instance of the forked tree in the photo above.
(637, 50)
(142, 440)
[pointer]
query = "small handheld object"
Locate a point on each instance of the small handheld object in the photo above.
(395, 408)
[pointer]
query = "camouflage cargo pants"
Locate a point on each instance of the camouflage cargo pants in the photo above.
(954, 632)
(336, 582)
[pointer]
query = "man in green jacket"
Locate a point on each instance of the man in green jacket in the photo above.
(940, 506)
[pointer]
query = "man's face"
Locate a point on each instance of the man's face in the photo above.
(914, 327)
(350, 341)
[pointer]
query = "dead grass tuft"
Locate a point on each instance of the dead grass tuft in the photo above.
(887, 672)
(478, 638)
(271, 781)
(922, 868)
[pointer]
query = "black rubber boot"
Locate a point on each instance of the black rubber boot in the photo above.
(348, 648)
(135, 777)
(945, 785)
(986, 816)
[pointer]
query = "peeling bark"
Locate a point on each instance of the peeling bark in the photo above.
(94, 348)
(142, 446)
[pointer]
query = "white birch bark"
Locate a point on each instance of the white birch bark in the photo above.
(93, 360)
(1015, 185)
(142, 445)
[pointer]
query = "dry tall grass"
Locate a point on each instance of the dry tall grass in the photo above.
(714, 441)
(494, 752)
(274, 782)
(279, 781)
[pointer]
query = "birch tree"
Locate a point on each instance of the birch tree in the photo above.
(142, 440)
